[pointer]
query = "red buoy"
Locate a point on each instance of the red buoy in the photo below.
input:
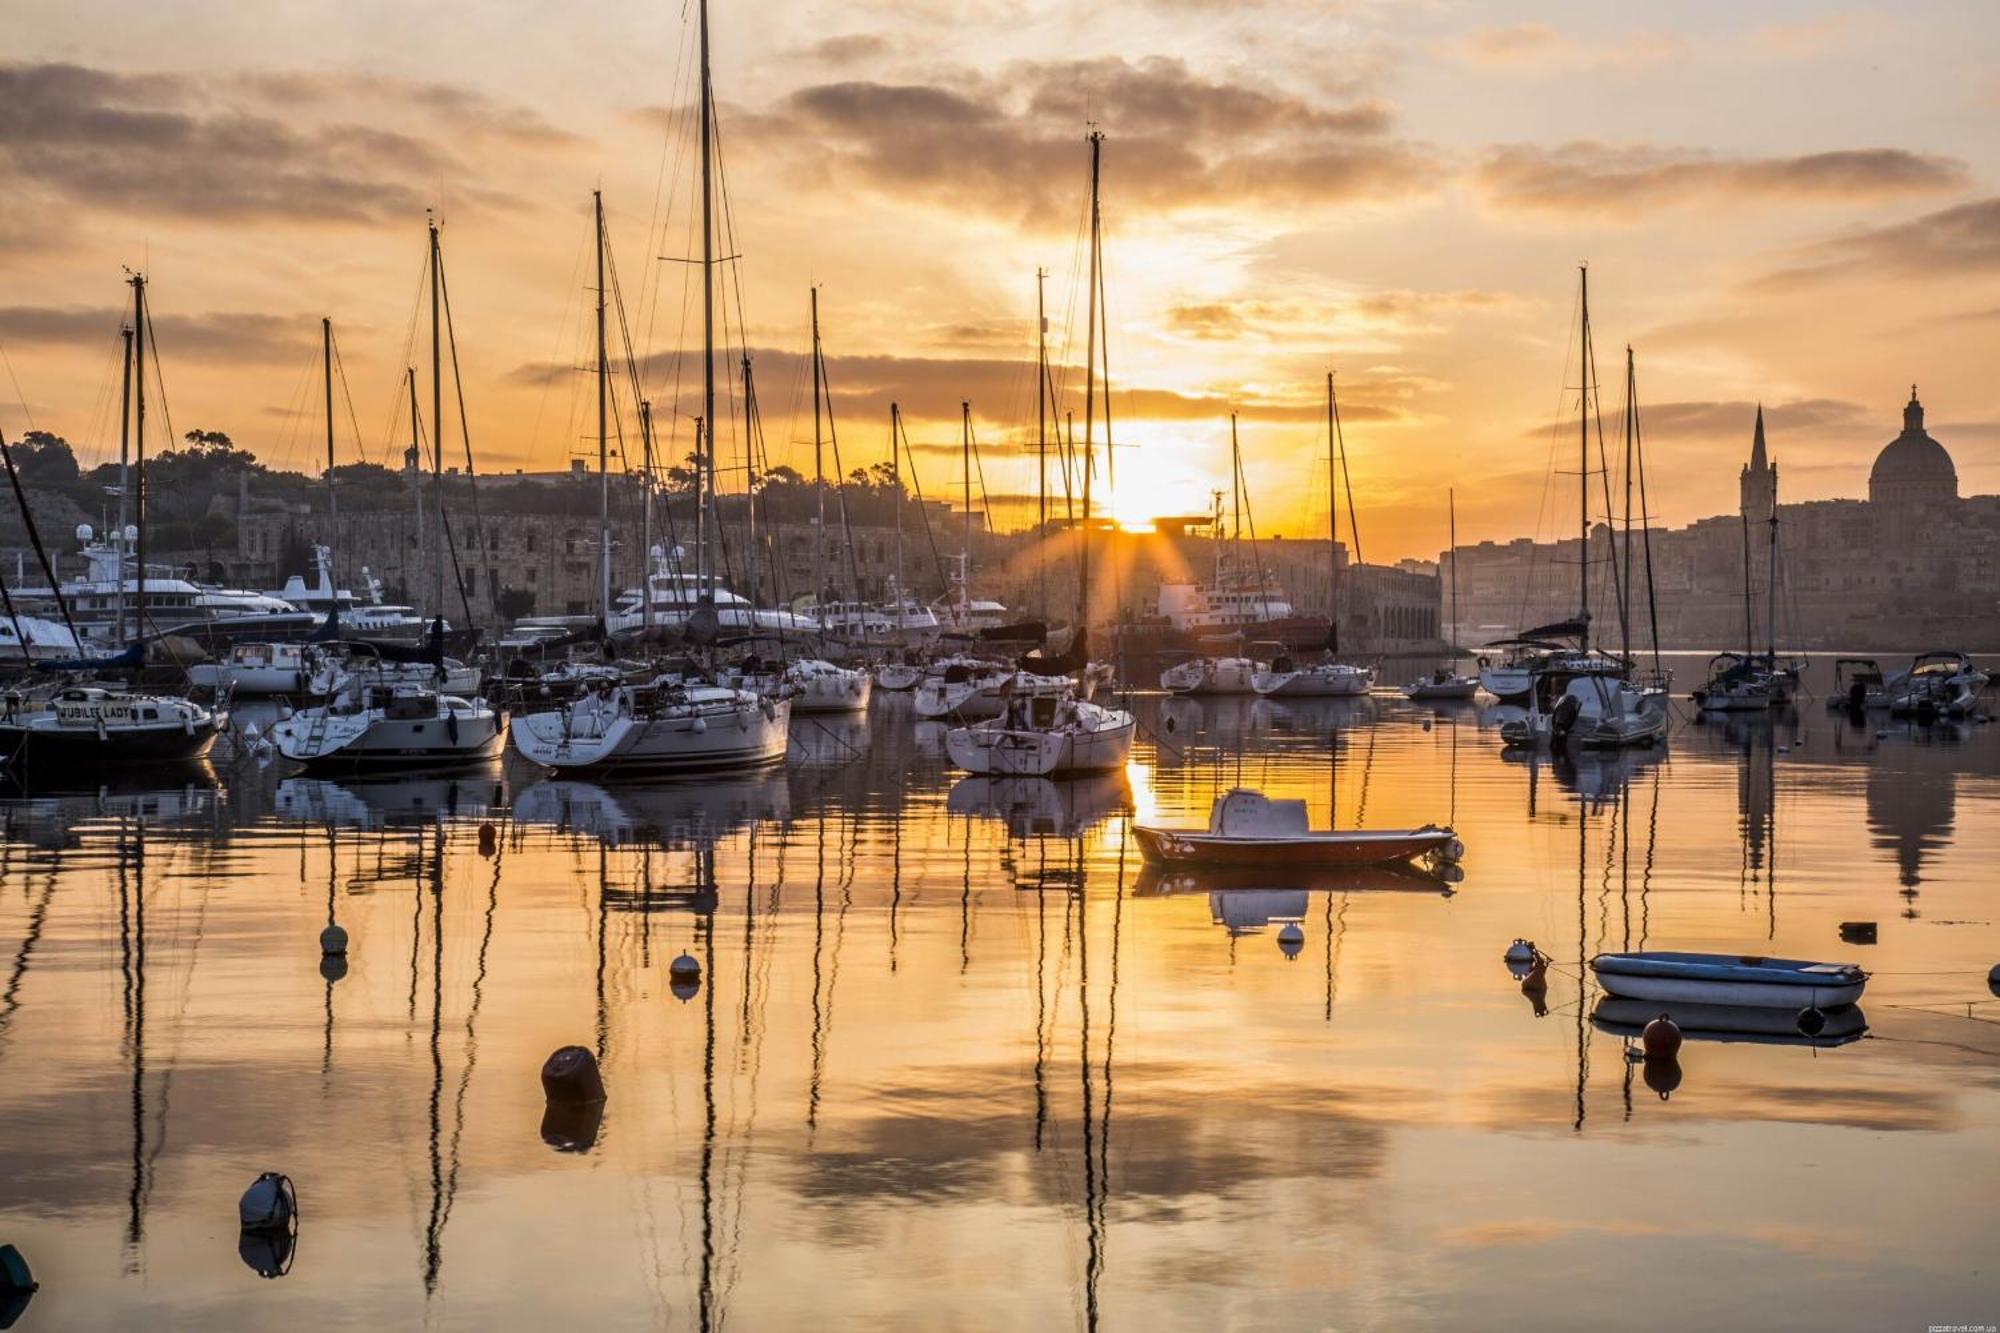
(1662, 1038)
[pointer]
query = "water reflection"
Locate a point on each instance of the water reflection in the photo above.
(936, 1059)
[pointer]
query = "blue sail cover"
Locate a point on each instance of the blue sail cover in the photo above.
(134, 655)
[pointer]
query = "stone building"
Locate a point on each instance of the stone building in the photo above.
(1913, 566)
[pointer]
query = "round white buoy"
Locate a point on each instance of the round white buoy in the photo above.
(333, 940)
(1291, 939)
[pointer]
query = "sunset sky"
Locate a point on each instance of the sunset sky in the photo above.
(1792, 203)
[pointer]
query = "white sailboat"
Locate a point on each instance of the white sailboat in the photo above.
(390, 710)
(1586, 698)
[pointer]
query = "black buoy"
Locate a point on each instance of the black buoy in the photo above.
(1662, 1074)
(1857, 932)
(572, 1126)
(684, 977)
(332, 966)
(1993, 979)
(1661, 1038)
(570, 1077)
(17, 1286)
(268, 1219)
(1811, 1021)
(333, 941)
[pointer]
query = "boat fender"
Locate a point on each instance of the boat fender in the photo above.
(489, 840)
(451, 724)
(570, 1076)
(700, 727)
(1661, 1038)
(299, 681)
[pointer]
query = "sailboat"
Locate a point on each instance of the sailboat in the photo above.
(1048, 725)
(1232, 606)
(1445, 684)
(1331, 678)
(1748, 681)
(1586, 697)
(381, 716)
(87, 727)
(670, 725)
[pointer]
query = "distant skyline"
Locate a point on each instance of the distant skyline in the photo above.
(1787, 203)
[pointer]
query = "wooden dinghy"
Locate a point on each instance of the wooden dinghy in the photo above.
(1729, 979)
(1246, 828)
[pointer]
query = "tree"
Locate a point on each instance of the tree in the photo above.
(210, 440)
(46, 459)
(513, 603)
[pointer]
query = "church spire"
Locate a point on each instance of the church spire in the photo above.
(1758, 485)
(1758, 461)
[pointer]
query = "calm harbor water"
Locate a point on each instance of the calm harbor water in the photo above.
(955, 1061)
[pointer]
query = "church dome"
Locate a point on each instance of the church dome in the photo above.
(1913, 467)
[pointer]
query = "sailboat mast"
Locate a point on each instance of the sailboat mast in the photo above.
(603, 427)
(1042, 429)
(437, 409)
(705, 461)
(1583, 459)
(819, 464)
(1332, 528)
(1625, 575)
(1771, 580)
(124, 453)
(1749, 634)
(417, 489)
(646, 515)
(1090, 340)
(896, 497)
(138, 451)
(1451, 519)
(332, 495)
(965, 549)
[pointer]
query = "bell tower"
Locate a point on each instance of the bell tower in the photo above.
(1758, 485)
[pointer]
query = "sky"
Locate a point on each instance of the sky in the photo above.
(1786, 203)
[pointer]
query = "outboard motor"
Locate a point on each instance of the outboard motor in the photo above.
(1563, 719)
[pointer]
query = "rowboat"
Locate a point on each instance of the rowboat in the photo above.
(1247, 828)
(1729, 979)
